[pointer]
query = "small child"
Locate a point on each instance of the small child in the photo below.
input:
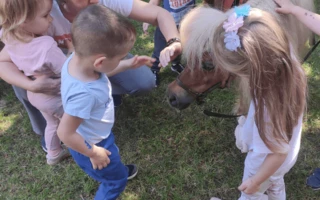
(101, 39)
(252, 46)
(177, 9)
(312, 21)
(24, 24)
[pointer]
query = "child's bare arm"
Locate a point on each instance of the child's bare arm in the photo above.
(310, 19)
(132, 63)
(68, 135)
(270, 165)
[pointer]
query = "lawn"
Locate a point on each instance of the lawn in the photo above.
(182, 155)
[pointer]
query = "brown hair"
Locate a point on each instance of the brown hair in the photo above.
(15, 12)
(275, 79)
(99, 30)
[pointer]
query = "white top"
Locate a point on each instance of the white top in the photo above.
(60, 28)
(248, 138)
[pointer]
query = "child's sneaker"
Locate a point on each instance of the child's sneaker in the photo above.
(314, 180)
(61, 156)
(132, 171)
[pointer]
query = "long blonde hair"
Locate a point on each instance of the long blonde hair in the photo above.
(276, 81)
(13, 13)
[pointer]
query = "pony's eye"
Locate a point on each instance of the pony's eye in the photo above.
(208, 66)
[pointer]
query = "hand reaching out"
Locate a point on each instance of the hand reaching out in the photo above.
(170, 53)
(100, 157)
(138, 61)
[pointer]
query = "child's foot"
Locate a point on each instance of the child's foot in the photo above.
(314, 179)
(61, 156)
(132, 171)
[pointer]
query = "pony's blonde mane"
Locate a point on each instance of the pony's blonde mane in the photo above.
(197, 29)
(199, 25)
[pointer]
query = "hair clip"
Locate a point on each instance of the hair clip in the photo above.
(232, 25)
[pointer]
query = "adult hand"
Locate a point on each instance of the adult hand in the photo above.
(100, 158)
(170, 53)
(145, 27)
(249, 186)
(285, 6)
(47, 85)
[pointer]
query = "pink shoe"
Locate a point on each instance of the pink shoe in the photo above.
(61, 156)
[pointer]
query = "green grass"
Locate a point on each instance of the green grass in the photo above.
(181, 154)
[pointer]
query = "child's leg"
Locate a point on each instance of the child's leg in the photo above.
(38, 123)
(250, 169)
(51, 137)
(113, 178)
(277, 190)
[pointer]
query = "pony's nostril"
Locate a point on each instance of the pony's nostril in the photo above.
(173, 100)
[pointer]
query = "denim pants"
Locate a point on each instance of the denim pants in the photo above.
(113, 178)
(159, 44)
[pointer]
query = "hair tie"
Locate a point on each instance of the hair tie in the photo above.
(232, 25)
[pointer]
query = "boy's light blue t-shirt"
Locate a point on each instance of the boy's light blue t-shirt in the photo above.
(91, 101)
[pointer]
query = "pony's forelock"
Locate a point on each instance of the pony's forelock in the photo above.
(197, 31)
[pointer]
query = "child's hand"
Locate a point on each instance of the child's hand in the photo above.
(100, 158)
(249, 186)
(145, 27)
(286, 6)
(138, 61)
(170, 53)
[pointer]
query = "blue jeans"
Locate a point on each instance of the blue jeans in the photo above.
(159, 44)
(113, 178)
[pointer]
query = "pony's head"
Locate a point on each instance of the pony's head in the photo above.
(200, 75)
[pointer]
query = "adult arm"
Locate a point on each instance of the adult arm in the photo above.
(155, 15)
(145, 25)
(10, 73)
(68, 135)
(308, 18)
